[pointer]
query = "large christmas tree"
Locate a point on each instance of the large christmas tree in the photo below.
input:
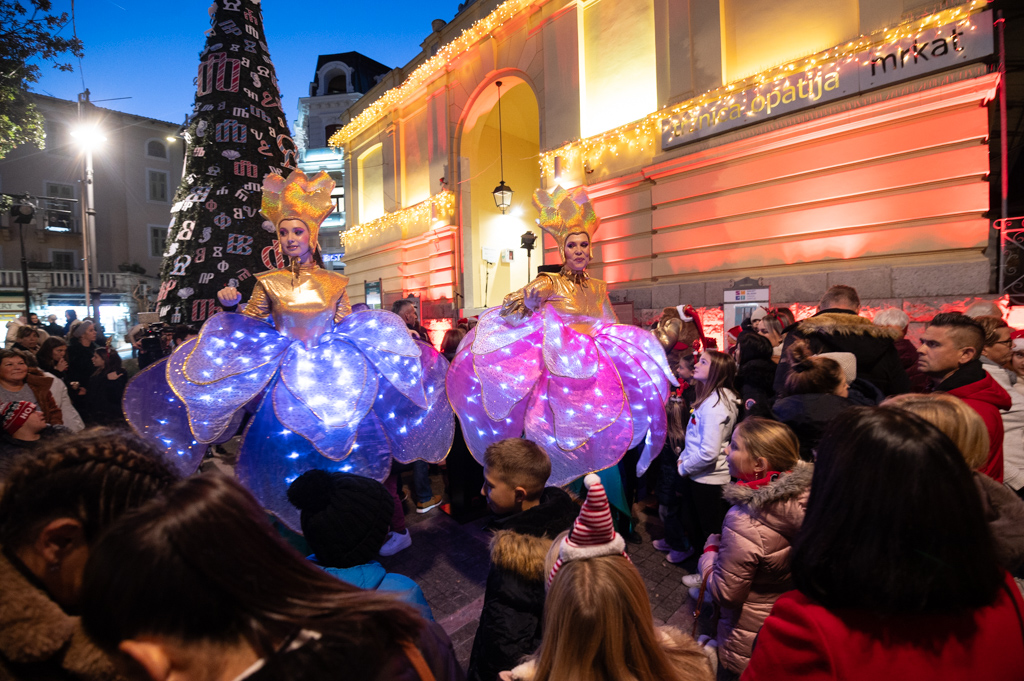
(236, 135)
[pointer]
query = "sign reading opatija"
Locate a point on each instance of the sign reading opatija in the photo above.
(932, 50)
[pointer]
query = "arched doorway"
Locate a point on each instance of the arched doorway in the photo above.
(483, 226)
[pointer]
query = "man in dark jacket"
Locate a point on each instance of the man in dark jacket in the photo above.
(838, 328)
(530, 516)
(950, 350)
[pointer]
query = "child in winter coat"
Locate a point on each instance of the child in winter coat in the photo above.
(345, 519)
(702, 462)
(529, 517)
(747, 567)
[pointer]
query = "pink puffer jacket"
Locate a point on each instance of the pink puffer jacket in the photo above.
(752, 567)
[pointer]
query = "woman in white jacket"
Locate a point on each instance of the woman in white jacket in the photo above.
(702, 462)
(995, 357)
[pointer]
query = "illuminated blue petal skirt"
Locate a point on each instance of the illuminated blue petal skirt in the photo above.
(367, 393)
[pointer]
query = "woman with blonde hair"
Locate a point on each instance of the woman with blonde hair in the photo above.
(747, 567)
(702, 461)
(1004, 510)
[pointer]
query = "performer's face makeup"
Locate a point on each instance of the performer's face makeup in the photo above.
(294, 237)
(577, 252)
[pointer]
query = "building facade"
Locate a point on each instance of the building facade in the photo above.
(796, 144)
(136, 169)
(340, 81)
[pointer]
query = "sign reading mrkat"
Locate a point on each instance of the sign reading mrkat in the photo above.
(932, 50)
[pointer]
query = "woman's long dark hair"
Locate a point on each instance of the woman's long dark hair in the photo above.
(111, 362)
(894, 523)
(45, 353)
(753, 346)
(202, 564)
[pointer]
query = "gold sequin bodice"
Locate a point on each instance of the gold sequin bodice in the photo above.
(302, 308)
(578, 302)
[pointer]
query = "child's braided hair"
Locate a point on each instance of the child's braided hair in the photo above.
(95, 477)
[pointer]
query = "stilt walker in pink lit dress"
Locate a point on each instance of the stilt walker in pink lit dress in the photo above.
(553, 364)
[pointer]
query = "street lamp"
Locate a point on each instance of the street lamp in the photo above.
(89, 137)
(527, 240)
(23, 213)
(502, 193)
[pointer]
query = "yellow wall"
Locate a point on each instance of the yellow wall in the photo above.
(371, 184)
(618, 81)
(758, 34)
(415, 159)
(521, 126)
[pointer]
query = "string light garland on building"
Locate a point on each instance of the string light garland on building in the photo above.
(645, 134)
(426, 71)
(437, 207)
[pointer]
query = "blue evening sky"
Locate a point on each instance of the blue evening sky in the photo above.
(149, 50)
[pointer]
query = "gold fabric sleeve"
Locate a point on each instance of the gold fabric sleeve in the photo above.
(514, 306)
(343, 309)
(258, 306)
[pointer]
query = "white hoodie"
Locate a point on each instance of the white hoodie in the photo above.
(707, 434)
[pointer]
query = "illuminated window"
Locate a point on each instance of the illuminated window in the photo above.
(415, 158)
(371, 184)
(757, 35)
(618, 78)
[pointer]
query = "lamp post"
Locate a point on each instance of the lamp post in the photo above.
(88, 136)
(527, 241)
(502, 193)
(24, 213)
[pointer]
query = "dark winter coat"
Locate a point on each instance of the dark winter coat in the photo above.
(976, 387)
(510, 624)
(1004, 513)
(808, 416)
(754, 383)
(835, 330)
(38, 640)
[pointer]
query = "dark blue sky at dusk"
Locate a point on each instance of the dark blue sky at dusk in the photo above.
(149, 50)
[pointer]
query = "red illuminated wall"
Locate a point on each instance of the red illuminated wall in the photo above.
(897, 176)
(427, 264)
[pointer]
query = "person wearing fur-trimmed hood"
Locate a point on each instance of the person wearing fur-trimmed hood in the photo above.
(747, 566)
(838, 327)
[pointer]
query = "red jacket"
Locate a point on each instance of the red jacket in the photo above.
(802, 640)
(972, 384)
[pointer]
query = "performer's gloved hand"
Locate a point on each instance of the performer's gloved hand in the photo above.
(229, 297)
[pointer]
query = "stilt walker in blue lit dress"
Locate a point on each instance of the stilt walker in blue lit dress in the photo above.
(326, 388)
(552, 363)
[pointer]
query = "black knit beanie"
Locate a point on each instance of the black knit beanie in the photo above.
(345, 517)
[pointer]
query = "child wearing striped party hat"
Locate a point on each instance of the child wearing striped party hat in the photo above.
(597, 616)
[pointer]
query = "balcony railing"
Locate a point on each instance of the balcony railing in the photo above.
(60, 279)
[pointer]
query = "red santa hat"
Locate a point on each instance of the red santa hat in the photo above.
(592, 534)
(1018, 340)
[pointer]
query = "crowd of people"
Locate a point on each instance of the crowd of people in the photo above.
(846, 505)
(65, 373)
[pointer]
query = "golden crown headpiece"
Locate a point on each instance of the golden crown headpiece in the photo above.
(564, 212)
(299, 198)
